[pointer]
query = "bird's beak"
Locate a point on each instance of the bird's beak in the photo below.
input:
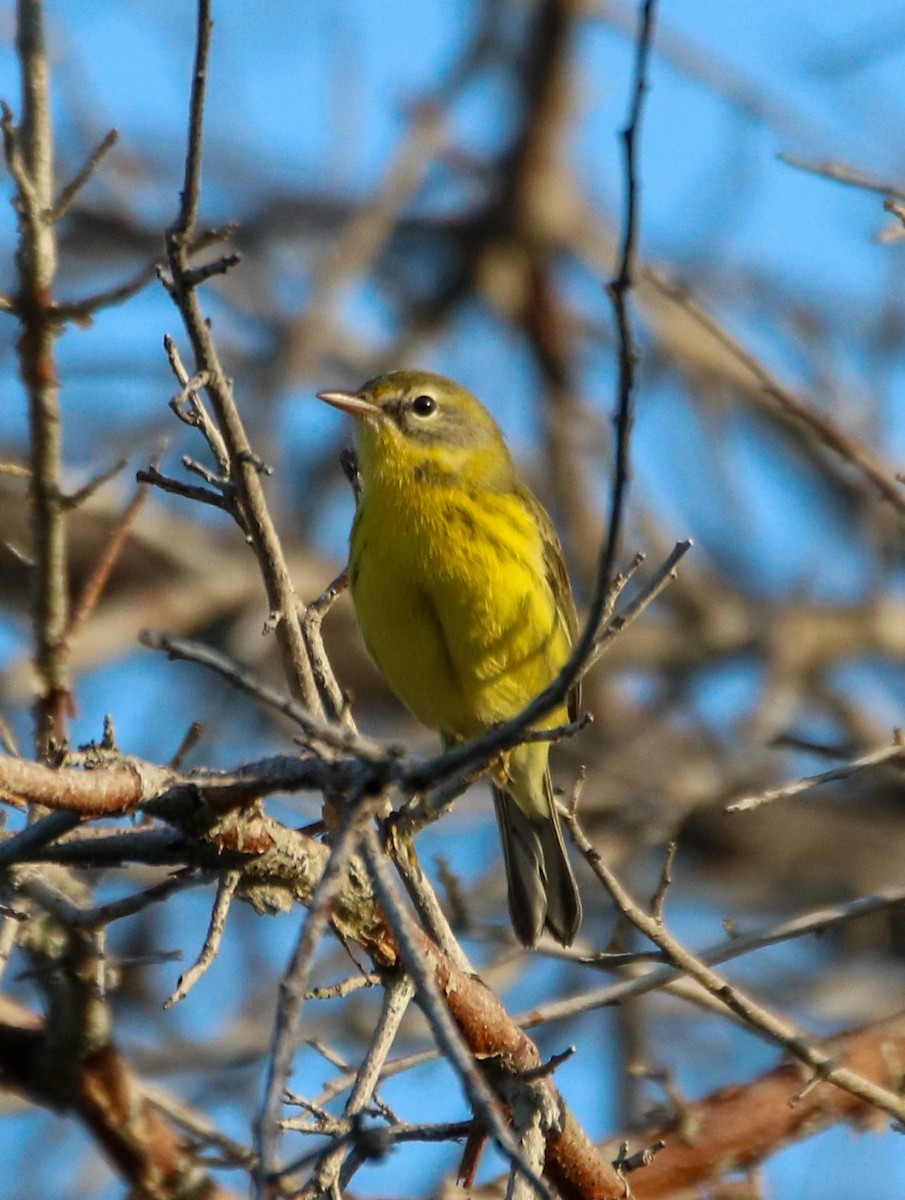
(348, 402)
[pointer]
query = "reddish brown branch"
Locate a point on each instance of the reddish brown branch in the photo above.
(573, 1164)
(109, 1098)
(291, 868)
(122, 783)
(736, 1127)
(739, 1126)
(88, 793)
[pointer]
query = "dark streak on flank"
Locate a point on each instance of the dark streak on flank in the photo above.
(355, 563)
(455, 514)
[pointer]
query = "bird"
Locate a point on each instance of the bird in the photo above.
(463, 599)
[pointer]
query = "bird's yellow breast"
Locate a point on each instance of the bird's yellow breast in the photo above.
(452, 597)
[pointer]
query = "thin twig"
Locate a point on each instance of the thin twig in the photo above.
(226, 889)
(483, 1102)
(619, 622)
(756, 1017)
(202, 1130)
(363, 1141)
(325, 1124)
(619, 291)
(33, 837)
(665, 977)
(294, 988)
(56, 901)
(421, 892)
(189, 406)
(75, 185)
(395, 1066)
(97, 580)
(104, 914)
(75, 499)
(216, 481)
(841, 172)
(82, 310)
(220, 266)
(256, 521)
(327, 1175)
(659, 896)
(345, 987)
(878, 474)
(722, 951)
(873, 759)
(312, 617)
(314, 727)
(188, 491)
(190, 740)
(897, 208)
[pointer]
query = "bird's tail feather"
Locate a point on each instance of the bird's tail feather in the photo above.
(542, 888)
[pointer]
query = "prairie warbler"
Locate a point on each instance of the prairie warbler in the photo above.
(463, 599)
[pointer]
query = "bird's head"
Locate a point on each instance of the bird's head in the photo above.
(416, 423)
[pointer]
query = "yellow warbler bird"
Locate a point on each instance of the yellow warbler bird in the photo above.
(463, 599)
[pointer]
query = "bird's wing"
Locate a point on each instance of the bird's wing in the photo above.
(558, 581)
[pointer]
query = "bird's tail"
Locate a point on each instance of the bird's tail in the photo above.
(542, 888)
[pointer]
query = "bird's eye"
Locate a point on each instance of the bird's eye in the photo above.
(423, 406)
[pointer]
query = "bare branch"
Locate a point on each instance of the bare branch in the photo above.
(76, 499)
(35, 836)
(294, 989)
(249, 494)
(759, 1019)
(738, 1127)
(226, 889)
(431, 1002)
(97, 580)
(188, 491)
(66, 197)
(29, 154)
(103, 1090)
(841, 172)
(82, 310)
(878, 474)
(313, 726)
(893, 753)
(328, 1173)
